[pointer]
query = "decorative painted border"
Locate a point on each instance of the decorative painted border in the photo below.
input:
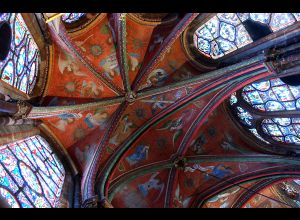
(152, 22)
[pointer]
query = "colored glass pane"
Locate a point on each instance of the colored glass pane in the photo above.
(11, 200)
(283, 129)
(16, 69)
(271, 96)
(29, 169)
(72, 17)
(225, 32)
(245, 116)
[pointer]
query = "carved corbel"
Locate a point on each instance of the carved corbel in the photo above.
(284, 59)
(24, 108)
(106, 204)
(90, 202)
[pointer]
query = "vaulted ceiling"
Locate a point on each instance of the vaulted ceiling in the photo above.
(151, 127)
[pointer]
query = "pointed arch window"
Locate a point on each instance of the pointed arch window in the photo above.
(227, 32)
(20, 68)
(72, 17)
(31, 175)
(269, 110)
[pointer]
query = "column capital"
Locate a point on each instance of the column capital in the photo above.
(24, 109)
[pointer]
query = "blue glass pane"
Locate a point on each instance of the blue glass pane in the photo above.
(245, 116)
(72, 17)
(205, 34)
(281, 20)
(216, 51)
(254, 131)
(274, 94)
(228, 30)
(261, 17)
(283, 129)
(262, 86)
(230, 18)
(233, 99)
(242, 36)
(18, 69)
(204, 45)
(24, 201)
(213, 26)
(297, 16)
(226, 46)
(11, 200)
(33, 171)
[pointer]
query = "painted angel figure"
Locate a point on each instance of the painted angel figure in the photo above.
(84, 154)
(158, 39)
(81, 43)
(152, 183)
(122, 130)
(157, 102)
(157, 77)
(223, 197)
(176, 125)
(97, 119)
(89, 88)
(219, 171)
(178, 201)
(69, 64)
(65, 120)
(134, 62)
(141, 153)
(110, 66)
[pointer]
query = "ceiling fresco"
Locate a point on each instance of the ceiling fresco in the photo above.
(152, 128)
(147, 128)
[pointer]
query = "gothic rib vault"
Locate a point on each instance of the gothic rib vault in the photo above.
(142, 122)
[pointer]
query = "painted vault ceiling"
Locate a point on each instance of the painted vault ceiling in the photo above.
(149, 127)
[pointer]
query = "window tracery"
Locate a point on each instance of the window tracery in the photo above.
(227, 32)
(20, 68)
(30, 174)
(255, 102)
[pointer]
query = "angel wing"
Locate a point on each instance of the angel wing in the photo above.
(162, 186)
(186, 202)
(176, 136)
(177, 192)
(166, 126)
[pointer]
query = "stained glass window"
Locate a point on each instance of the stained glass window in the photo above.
(227, 32)
(30, 174)
(270, 96)
(72, 17)
(20, 68)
